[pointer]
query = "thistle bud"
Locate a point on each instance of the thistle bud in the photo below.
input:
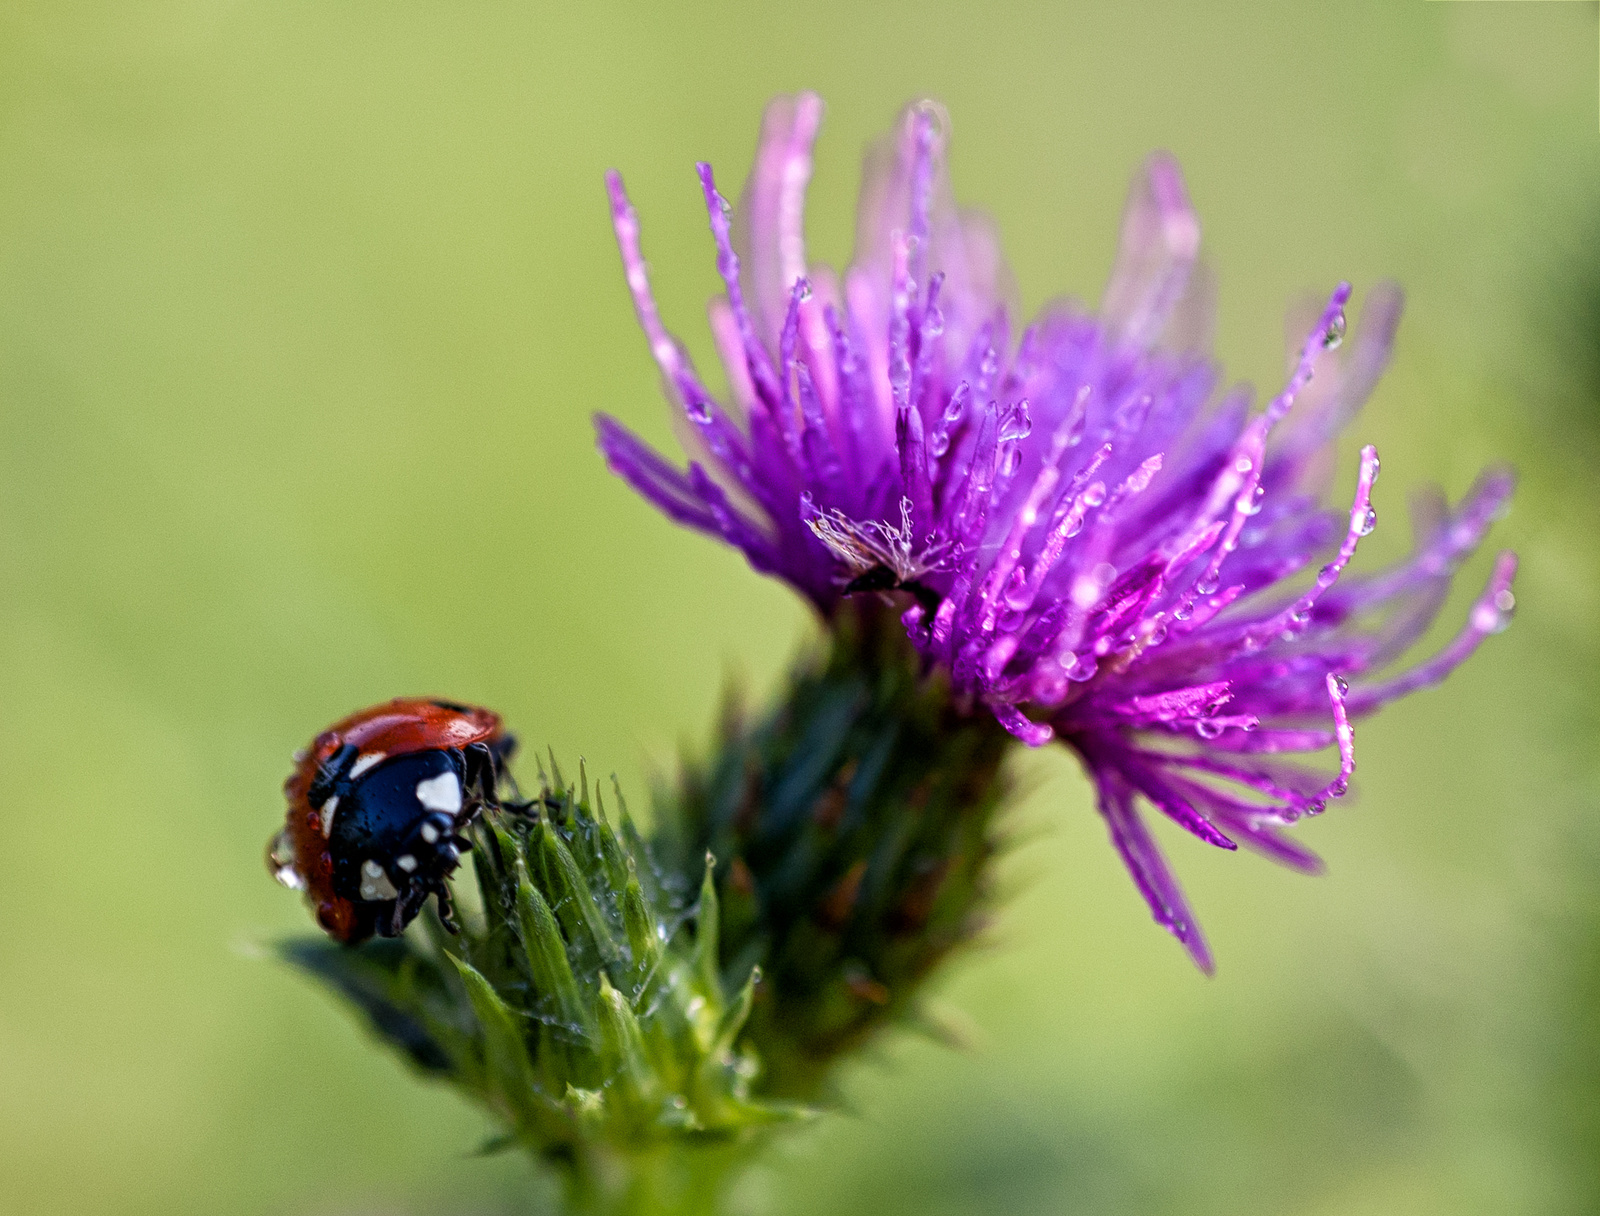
(856, 819)
(582, 1004)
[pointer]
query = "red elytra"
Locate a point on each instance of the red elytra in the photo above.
(403, 726)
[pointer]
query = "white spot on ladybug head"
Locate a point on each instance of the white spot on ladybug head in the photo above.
(328, 808)
(406, 862)
(375, 883)
(441, 793)
(430, 833)
(363, 763)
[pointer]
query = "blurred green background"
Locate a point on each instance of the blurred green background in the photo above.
(304, 307)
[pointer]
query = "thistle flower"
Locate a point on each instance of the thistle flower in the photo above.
(1093, 542)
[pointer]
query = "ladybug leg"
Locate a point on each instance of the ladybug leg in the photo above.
(477, 773)
(406, 907)
(447, 908)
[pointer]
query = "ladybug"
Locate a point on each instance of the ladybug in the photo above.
(377, 805)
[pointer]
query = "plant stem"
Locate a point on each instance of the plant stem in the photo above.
(669, 1179)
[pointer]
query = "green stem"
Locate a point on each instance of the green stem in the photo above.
(669, 1179)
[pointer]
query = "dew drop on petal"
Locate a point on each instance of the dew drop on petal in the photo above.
(933, 323)
(1207, 585)
(1339, 788)
(1018, 423)
(1083, 668)
(698, 411)
(1334, 334)
(1243, 465)
(1183, 611)
(1017, 595)
(1495, 617)
(1369, 521)
(939, 443)
(1342, 685)
(1095, 494)
(1207, 729)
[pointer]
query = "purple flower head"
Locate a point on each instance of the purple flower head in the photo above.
(1095, 543)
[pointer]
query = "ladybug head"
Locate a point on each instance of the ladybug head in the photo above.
(395, 838)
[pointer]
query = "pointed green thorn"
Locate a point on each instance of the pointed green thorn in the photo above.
(547, 953)
(622, 1051)
(572, 896)
(706, 961)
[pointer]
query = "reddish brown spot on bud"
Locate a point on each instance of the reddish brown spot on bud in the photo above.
(829, 809)
(916, 905)
(833, 909)
(864, 988)
(739, 877)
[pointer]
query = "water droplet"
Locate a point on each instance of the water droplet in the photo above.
(957, 405)
(1048, 688)
(805, 290)
(1367, 523)
(933, 323)
(1243, 465)
(1018, 423)
(1316, 806)
(1158, 633)
(1334, 334)
(939, 443)
(1095, 494)
(1490, 618)
(1208, 584)
(280, 861)
(1083, 668)
(1253, 507)
(727, 207)
(1342, 685)
(1208, 729)
(1375, 466)
(1300, 616)
(1184, 610)
(1339, 788)
(698, 411)
(1011, 461)
(1330, 571)
(1017, 596)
